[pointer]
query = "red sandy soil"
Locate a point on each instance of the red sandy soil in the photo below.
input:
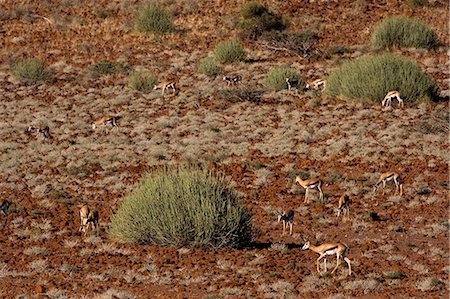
(43, 254)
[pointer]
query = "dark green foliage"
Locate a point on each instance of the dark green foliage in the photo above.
(30, 71)
(141, 81)
(370, 78)
(183, 206)
(401, 31)
(276, 78)
(229, 51)
(257, 19)
(154, 19)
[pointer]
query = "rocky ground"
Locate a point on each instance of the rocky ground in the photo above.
(398, 245)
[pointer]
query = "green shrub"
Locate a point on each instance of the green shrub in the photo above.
(208, 66)
(276, 78)
(183, 206)
(257, 19)
(141, 81)
(155, 19)
(372, 77)
(229, 51)
(402, 31)
(30, 71)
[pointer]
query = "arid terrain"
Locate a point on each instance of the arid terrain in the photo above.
(399, 246)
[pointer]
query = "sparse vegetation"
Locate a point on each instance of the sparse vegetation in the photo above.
(229, 51)
(298, 43)
(107, 67)
(401, 31)
(209, 67)
(370, 78)
(186, 206)
(141, 81)
(30, 71)
(257, 19)
(153, 18)
(276, 78)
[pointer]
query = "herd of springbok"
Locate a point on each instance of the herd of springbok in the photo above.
(89, 217)
(344, 202)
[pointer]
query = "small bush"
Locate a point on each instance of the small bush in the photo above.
(229, 51)
(257, 19)
(106, 67)
(276, 78)
(141, 81)
(30, 71)
(299, 43)
(402, 31)
(183, 206)
(154, 19)
(209, 67)
(241, 95)
(372, 77)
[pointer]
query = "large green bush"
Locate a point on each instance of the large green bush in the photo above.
(402, 31)
(153, 18)
(229, 51)
(276, 78)
(256, 19)
(30, 71)
(372, 77)
(183, 206)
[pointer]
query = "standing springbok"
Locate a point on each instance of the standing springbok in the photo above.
(344, 206)
(310, 184)
(88, 217)
(389, 176)
(330, 249)
(287, 219)
(387, 101)
(4, 208)
(165, 85)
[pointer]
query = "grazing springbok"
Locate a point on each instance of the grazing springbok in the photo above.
(316, 84)
(232, 81)
(292, 83)
(287, 219)
(165, 86)
(310, 184)
(106, 121)
(330, 249)
(387, 101)
(88, 217)
(386, 177)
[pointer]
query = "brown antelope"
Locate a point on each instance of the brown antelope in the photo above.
(387, 101)
(88, 217)
(287, 219)
(344, 206)
(106, 121)
(232, 81)
(4, 208)
(310, 184)
(316, 84)
(389, 176)
(165, 85)
(330, 249)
